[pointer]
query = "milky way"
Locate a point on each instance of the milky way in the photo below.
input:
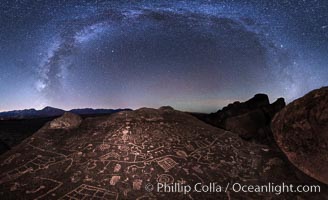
(195, 56)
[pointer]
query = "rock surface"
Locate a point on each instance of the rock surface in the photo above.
(117, 156)
(301, 131)
(66, 121)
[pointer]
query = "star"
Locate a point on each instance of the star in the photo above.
(189, 55)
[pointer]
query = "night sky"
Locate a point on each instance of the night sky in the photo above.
(192, 55)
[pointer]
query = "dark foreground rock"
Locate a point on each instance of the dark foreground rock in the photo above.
(249, 125)
(3, 147)
(250, 119)
(13, 132)
(117, 156)
(301, 131)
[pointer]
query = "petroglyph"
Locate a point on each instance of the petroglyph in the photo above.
(115, 157)
(117, 168)
(165, 178)
(167, 163)
(137, 184)
(181, 154)
(90, 192)
(114, 180)
(104, 147)
(10, 159)
(35, 190)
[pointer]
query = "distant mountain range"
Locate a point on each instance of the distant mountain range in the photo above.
(53, 112)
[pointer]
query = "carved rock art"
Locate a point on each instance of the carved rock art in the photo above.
(133, 149)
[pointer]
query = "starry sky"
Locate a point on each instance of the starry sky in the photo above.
(193, 55)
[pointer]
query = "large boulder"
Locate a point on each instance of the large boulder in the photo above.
(123, 155)
(301, 131)
(66, 121)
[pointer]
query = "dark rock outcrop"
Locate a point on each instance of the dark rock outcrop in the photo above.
(275, 107)
(3, 147)
(249, 125)
(250, 119)
(166, 108)
(115, 157)
(66, 121)
(301, 131)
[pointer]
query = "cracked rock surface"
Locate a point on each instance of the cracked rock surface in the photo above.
(116, 156)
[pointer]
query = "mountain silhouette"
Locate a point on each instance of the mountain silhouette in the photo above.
(53, 112)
